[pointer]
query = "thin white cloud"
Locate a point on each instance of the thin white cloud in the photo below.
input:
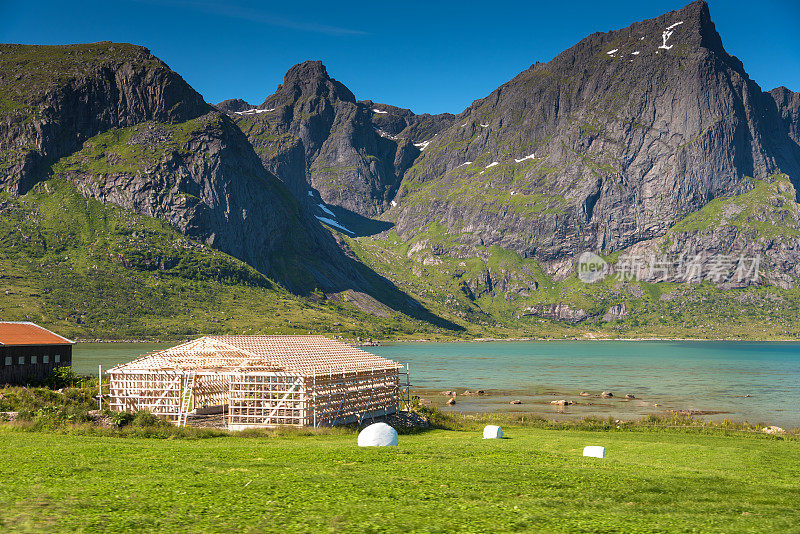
(254, 15)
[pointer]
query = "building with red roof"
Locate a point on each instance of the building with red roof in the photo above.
(29, 353)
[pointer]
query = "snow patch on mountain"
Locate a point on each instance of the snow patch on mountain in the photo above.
(331, 222)
(666, 34)
(253, 111)
(423, 145)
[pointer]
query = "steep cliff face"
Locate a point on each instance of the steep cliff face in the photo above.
(788, 104)
(607, 145)
(128, 131)
(314, 135)
(204, 178)
(124, 129)
(52, 98)
(735, 241)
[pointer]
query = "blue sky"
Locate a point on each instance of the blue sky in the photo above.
(427, 56)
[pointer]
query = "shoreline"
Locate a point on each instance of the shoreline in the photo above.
(377, 343)
(574, 406)
(536, 400)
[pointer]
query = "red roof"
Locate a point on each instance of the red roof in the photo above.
(24, 333)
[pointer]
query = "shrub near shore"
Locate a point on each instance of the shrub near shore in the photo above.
(74, 410)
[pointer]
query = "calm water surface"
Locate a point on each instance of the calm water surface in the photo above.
(708, 376)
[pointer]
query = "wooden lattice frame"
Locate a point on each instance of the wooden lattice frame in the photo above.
(263, 381)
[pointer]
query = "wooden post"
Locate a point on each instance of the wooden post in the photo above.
(100, 385)
(314, 397)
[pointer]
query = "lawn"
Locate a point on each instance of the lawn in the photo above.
(437, 481)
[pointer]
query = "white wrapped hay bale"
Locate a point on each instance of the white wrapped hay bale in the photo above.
(594, 451)
(378, 435)
(492, 432)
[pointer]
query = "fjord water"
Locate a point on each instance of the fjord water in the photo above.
(87, 356)
(679, 375)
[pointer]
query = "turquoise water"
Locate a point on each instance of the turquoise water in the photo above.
(706, 376)
(87, 356)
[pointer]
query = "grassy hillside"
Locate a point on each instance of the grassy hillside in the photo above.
(436, 481)
(90, 271)
(28, 72)
(93, 271)
(495, 288)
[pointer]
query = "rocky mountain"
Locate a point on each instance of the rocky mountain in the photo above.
(136, 135)
(609, 144)
(645, 143)
(121, 127)
(56, 97)
(648, 144)
(788, 104)
(321, 142)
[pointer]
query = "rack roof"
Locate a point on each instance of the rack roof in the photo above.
(27, 333)
(304, 355)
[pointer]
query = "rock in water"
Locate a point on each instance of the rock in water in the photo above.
(594, 451)
(378, 435)
(492, 432)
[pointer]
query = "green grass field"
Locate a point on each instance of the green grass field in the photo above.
(437, 481)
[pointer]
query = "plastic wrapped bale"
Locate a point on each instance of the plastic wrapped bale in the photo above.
(492, 432)
(594, 451)
(378, 435)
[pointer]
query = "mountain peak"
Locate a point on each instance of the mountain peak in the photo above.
(233, 105)
(698, 11)
(695, 19)
(307, 70)
(680, 34)
(311, 78)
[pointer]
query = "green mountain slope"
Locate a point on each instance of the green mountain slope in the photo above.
(498, 287)
(52, 98)
(122, 128)
(91, 271)
(131, 208)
